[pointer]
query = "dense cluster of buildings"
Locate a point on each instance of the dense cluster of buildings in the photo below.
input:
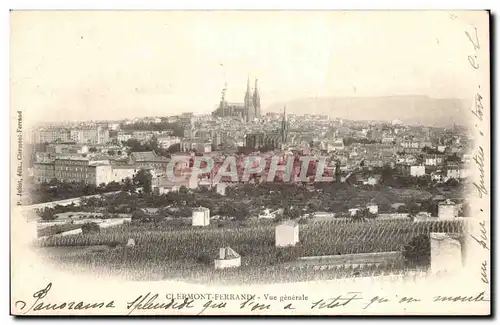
(98, 152)
(90, 134)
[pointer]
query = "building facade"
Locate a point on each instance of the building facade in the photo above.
(43, 172)
(263, 140)
(417, 171)
(74, 170)
(148, 159)
(81, 169)
(248, 110)
(90, 134)
(120, 173)
(67, 148)
(52, 134)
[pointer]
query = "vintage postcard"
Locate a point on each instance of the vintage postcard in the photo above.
(250, 163)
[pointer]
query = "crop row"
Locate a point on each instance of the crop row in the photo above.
(189, 248)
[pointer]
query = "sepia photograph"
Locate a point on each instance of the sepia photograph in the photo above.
(250, 162)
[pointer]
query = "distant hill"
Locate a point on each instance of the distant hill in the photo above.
(409, 109)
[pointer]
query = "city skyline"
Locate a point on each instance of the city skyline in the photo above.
(175, 62)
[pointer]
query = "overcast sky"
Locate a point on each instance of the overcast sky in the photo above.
(110, 65)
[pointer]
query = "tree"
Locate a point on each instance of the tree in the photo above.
(92, 149)
(387, 176)
(204, 258)
(241, 212)
(47, 214)
(465, 211)
(338, 173)
(360, 215)
(127, 185)
(313, 206)
(112, 187)
(139, 216)
(430, 206)
(101, 187)
(176, 147)
(291, 213)
(90, 227)
(413, 208)
(402, 209)
(417, 252)
(144, 179)
(452, 182)
(111, 152)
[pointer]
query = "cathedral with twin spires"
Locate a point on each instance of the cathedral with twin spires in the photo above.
(248, 110)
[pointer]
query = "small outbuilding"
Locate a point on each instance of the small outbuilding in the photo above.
(227, 258)
(372, 208)
(447, 210)
(287, 234)
(353, 211)
(201, 217)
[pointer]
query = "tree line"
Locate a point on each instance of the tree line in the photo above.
(134, 145)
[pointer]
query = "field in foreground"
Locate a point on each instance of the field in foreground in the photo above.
(187, 253)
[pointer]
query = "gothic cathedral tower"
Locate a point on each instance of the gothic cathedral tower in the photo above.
(284, 127)
(256, 99)
(249, 108)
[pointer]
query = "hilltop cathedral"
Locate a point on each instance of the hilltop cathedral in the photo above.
(248, 110)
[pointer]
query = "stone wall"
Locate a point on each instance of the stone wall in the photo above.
(446, 253)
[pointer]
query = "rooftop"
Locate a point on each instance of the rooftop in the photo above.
(146, 156)
(167, 183)
(73, 158)
(229, 254)
(447, 202)
(124, 167)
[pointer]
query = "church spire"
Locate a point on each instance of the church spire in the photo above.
(248, 86)
(249, 108)
(256, 99)
(284, 126)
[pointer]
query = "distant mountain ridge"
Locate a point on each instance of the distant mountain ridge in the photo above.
(408, 109)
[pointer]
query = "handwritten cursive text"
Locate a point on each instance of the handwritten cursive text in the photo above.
(39, 305)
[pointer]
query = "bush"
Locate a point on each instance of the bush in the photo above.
(47, 214)
(221, 224)
(417, 252)
(90, 227)
(402, 209)
(303, 221)
(287, 254)
(204, 259)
